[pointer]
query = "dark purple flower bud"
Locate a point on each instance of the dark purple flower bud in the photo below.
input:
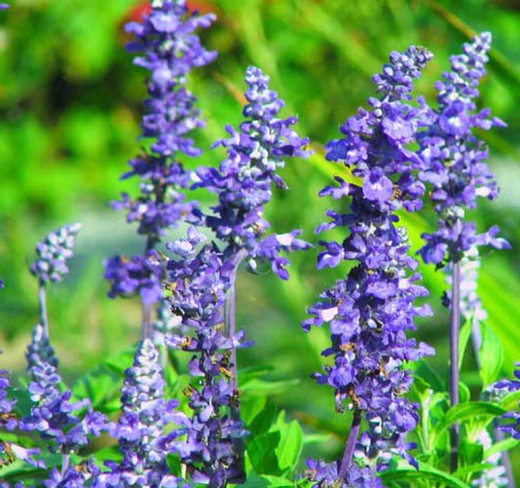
(53, 253)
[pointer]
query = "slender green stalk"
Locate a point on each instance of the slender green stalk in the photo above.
(454, 360)
(42, 308)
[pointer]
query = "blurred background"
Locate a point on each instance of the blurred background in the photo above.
(69, 122)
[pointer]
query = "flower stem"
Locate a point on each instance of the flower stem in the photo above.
(230, 324)
(64, 464)
(454, 360)
(146, 326)
(351, 443)
(42, 308)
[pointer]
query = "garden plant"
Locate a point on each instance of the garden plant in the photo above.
(179, 404)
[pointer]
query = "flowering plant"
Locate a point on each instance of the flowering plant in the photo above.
(180, 409)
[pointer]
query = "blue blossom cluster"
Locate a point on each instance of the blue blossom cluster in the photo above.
(372, 309)
(198, 281)
(454, 157)
(65, 425)
(10, 452)
(512, 424)
(53, 253)
(7, 417)
(168, 48)
(139, 275)
(145, 429)
(244, 180)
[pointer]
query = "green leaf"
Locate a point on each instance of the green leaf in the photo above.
(470, 453)
(277, 481)
(290, 447)
(425, 472)
(255, 482)
(264, 420)
(251, 406)
(464, 335)
(466, 471)
(429, 376)
(505, 445)
(262, 453)
(470, 410)
(464, 393)
(491, 356)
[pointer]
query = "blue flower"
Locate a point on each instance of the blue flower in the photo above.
(454, 158)
(371, 311)
(53, 253)
(167, 47)
(145, 431)
(244, 180)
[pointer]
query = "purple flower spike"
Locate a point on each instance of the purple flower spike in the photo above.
(454, 159)
(53, 253)
(169, 49)
(65, 425)
(244, 180)
(371, 311)
(141, 429)
(198, 282)
(512, 419)
(7, 417)
(139, 275)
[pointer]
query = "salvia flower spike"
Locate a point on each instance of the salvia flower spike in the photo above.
(454, 158)
(455, 169)
(64, 425)
(140, 430)
(53, 253)
(199, 279)
(167, 47)
(50, 264)
(371, 310)
(244, 180)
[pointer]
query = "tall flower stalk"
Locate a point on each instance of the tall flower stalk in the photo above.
(168, 48)
(243, 183)
(456, 171)
(149, 429)
(371, 310)
(198, 281)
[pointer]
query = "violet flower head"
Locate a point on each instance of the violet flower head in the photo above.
(65, 425)
(198, 281)
(144, 430)
(243, 181)
(140, 275)
(371, 311)
(8, 419)
(166, 46)
(454, 158)
(512, 419)
(53, 253)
